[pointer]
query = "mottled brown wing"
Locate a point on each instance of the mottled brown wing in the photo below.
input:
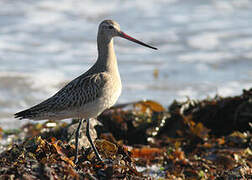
(78, 92)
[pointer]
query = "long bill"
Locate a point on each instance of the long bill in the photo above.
(126, 36)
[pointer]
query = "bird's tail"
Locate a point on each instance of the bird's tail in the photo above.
(26, 114)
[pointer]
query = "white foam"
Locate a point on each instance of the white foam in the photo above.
(187, 92)
(179, 18)
(12, 74)
(242, 44)
(204, 41)
(241, 3)
(207, 57)
(224, 6)
(232, 88)
(47, 80)
(54, 47)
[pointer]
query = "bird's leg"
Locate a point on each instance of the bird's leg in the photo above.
(91, 142)
(77, 134)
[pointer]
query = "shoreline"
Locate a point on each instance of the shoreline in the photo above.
(202, 139)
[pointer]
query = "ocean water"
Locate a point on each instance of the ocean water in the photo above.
(205, 48)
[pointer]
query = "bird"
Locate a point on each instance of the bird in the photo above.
(88, 95)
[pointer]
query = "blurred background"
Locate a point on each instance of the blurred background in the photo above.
(205, 48)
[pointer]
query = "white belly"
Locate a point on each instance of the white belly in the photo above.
(108, 99)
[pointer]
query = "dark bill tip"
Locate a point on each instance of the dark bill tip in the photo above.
(126, 36)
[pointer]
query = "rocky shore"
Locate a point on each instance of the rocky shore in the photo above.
(207, 139)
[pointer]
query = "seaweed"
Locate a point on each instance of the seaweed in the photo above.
(207, 139)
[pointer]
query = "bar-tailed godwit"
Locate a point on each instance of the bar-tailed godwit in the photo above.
(91, 93)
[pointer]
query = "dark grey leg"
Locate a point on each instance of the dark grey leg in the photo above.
(77, 134)
(90, 141)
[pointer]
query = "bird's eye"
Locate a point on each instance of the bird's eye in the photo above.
(111, 27)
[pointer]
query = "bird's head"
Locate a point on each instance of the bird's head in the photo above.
(110, 29)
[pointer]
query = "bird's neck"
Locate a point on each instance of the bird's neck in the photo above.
(106, 54)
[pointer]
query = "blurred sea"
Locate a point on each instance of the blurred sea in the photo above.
(205, 48)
